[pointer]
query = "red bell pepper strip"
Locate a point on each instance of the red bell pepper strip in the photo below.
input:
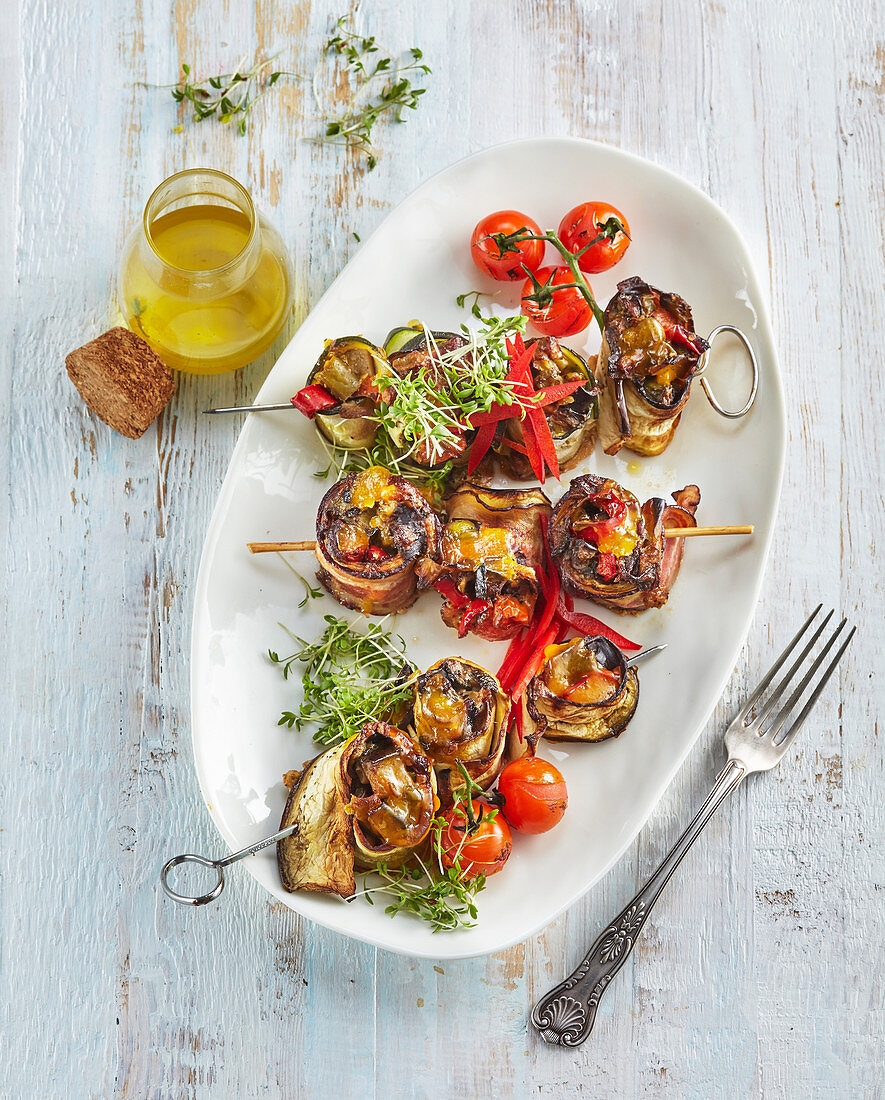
(512, 443)
(533, 664)
(681, 338)
(558, 392)
(614, 508)
(538, 399)
(510, 657)
(449, 591)
(545, 440)
(376, 553)
(313, 399)
(607, 565)
(588, 625)
(480, 447)
(532, 450)
(472, 612)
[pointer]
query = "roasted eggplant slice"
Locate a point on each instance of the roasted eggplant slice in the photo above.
(584, 692)
(391, 795)
(650, 352)
(320, 855)
(353, 371)
(459, 716)
(611, 550)
(486, 570)
(572, 421)
(373, 528)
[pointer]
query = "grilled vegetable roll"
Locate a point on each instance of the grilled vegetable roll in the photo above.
(572, 421)
(353, 372)
(391, 795)
(489, 551)
(584, 692)
(650, 352)
(612, 550)
(320, 855)
(421, 355)
(459, 716)
(373, 528)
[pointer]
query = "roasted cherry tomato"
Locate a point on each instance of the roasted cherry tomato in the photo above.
(513, 262)
(534, 794)
(482, 846)
(587, 222)
(559, 312)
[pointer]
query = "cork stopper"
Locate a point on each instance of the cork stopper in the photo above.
(122, 379)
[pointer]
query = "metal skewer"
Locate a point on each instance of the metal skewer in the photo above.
(250, 409)
(218, 864)
(644, 654)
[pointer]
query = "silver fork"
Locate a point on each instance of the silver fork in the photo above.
(756, 740)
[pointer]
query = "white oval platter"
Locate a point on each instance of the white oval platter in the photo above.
(413, 267)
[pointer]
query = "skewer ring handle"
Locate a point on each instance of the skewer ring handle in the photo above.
(187, 899)
(751, 400)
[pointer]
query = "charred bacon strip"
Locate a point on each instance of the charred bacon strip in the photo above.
(650, 352)
(572, 420)
(611, 550)
(459, 715)
(583, 692)
(390, 794)
(373, 528)
(490, 553)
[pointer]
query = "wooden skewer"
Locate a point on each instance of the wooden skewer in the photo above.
(669, 533)
(687, 532)
(271, 547)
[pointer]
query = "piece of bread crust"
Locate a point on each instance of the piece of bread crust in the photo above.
(122, 379)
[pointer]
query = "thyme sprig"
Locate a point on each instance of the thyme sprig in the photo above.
(228, 95)
(349, 678)
(442, 895)
(379, 87)
(475, 307)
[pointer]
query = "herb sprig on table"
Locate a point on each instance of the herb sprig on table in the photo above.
(349, 678)
(228, 96)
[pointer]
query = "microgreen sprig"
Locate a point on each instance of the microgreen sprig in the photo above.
(229, 95)
(475, 308)
(349, 678)
(379, 87)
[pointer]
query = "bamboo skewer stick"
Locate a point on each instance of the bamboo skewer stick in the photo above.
(688, 532)
(669, 533)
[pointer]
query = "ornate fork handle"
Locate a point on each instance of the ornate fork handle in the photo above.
(567, 1013)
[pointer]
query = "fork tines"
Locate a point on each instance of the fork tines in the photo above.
(773, 729)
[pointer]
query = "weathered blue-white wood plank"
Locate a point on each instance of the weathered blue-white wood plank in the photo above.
(757, 974)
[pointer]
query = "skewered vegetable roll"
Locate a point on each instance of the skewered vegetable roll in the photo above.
(459, 716)
(391, 795)
(572, 421)
(489, 551)
(612, 550)
(584, 692)
(373, 528)
(353, 373)
(650, 352)
(320, 855)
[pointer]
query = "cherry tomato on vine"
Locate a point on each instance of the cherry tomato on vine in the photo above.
(534, 794)
(511, 263)
(483, 848)
(588, 221)
(559, 312)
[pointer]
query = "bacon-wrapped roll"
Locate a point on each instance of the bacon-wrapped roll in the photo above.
(486, 569)
(650, 352)
(584, 692)
(611, 550)
(373, 528)
(391, 795)
(572, 421)
(320, 855)
(459, 716)
(354, 372)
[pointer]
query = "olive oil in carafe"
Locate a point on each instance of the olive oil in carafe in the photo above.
(220, 300)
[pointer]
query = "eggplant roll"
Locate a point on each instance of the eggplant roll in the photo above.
(572, 421)
(391, 795)
(612, 550)
(650, 352)
(584, 692)
(356, 374)
(459, 716)
(373, 528)
(320, 855)
(489, 551)
(419, 354)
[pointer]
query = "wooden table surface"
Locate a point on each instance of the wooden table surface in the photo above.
(759, 974)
